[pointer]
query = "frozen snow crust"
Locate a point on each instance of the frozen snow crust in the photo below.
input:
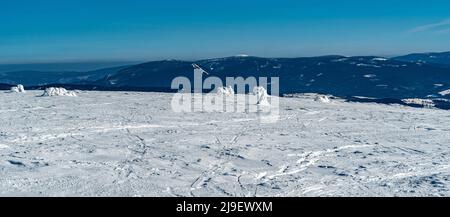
(133, 144)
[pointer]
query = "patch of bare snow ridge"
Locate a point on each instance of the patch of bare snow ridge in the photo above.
(261, 95)
(18, 89)
(422, 102)
(445, 92)
(58, 91)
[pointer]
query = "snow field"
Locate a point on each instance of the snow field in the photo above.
(133, 144)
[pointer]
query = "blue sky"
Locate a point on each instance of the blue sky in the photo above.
(81, 30)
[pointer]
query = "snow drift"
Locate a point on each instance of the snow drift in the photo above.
(58, 91)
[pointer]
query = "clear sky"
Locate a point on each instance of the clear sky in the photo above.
(83, 30)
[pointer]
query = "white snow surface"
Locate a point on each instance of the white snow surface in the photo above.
(58, 91)
(133, 144)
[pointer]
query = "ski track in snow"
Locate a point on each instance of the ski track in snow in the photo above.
(132, 144)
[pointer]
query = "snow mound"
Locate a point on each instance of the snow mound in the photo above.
(18, 89)
(322, 98)
(58, 91)
(445, 92)
(261, 95)
(421, 102)
(226, 91)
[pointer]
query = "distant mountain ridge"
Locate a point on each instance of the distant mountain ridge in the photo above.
(401, 77)
(337, 75)
(430, 58)
(36, 78)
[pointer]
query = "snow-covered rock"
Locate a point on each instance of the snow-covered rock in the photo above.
(322, 98)
(18, 89)
(261, 95)
(58, 91)
(226, 91)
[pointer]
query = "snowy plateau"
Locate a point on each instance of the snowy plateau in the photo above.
(133, 144)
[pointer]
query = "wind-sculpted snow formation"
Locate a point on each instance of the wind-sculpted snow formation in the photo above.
(133, 144)
(18, 89)
(225, 91)
(58, 91)
(322, 98)
(261, 95)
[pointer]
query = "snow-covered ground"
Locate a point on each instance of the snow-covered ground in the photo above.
(132, 144)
